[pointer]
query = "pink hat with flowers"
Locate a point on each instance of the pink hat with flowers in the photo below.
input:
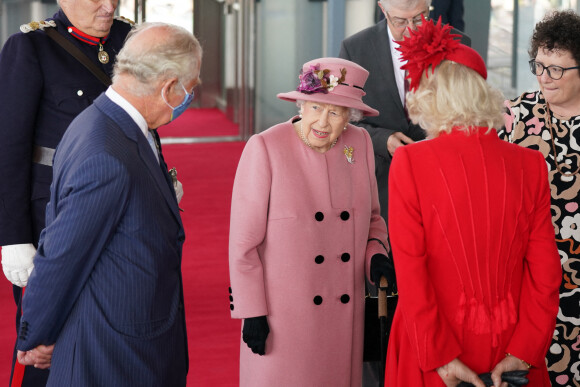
(432, 43)
(333, 81)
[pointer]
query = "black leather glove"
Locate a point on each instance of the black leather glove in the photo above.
(255, 332)
(381, 266)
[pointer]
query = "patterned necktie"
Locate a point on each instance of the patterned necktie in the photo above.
(152, 144)
(406, 89)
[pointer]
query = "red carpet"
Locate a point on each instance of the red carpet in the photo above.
(7, 329)
(207, 172)
(200, 123)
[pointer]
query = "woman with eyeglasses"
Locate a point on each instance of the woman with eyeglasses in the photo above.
(548, 120)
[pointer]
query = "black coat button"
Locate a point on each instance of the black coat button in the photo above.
(319, 216)
(231, 306)
(319, 259)
(344, 215)
(318, 300)
(231, 299)
(230, 290)
(345, 298)
(345, 257)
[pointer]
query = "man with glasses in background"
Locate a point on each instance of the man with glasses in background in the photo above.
(375, 49)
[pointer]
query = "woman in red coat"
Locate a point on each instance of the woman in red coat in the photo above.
(469, 218)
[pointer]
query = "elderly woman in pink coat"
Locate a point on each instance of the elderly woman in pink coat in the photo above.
(305, 230)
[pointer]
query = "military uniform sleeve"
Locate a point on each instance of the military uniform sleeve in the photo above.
(21, 80)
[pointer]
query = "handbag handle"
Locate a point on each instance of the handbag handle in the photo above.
(383, 284)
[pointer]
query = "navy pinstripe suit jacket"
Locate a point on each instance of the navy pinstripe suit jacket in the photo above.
(107, 285)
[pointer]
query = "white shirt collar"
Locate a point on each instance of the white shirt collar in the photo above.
(397, 63)
(130, 109)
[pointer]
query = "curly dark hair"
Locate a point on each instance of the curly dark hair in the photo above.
(559, 31)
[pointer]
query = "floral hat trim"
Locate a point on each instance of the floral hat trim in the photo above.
(426, 47)
(316, 80)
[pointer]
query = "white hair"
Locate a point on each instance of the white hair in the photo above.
(354, 115)
(178, 57)
(404, 4)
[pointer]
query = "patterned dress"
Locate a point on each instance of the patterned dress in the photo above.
(526, 125)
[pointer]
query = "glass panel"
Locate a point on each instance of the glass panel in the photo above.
(179, 12)
(217, 25)
(511, 27)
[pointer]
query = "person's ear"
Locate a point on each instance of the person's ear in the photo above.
(173, 85)
(382, 9)
(168, 88)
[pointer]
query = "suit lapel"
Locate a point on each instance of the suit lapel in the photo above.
(134, 133)
(382, 49)
(158, 172)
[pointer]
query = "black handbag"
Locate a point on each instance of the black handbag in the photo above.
(374, 333)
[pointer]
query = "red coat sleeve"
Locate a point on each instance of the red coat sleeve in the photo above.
(541, 282)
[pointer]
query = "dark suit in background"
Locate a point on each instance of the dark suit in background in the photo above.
(371, 49)
(451, 12)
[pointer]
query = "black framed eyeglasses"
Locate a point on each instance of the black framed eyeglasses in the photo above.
(417, 20)
(554, 72)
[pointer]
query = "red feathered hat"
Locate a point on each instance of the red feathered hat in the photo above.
(432, 43)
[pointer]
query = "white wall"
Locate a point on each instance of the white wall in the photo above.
(360, 14)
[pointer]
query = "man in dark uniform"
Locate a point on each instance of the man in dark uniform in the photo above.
(43, 88)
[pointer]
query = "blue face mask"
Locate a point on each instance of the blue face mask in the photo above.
(179, 109)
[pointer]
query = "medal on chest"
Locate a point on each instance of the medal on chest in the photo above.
(103, 55)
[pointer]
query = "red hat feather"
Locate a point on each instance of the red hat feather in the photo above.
(432, 43)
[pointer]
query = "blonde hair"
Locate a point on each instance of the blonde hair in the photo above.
(454, 96)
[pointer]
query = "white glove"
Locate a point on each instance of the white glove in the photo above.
(178, 190)
(17, 262)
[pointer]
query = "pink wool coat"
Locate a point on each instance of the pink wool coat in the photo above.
(299, 250)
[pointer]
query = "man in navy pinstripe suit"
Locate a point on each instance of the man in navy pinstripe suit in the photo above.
(104, 303)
